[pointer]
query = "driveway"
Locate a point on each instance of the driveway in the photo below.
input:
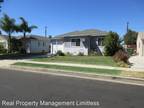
(137, 62)
(7, 63)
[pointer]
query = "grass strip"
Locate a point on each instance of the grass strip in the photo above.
(71, 68)
(95, 60)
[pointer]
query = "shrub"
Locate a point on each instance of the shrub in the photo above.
(60, 53)
(121, 55)
(80, 54)
(68, 54)
(123, 64)
(130, 51)
(2, 49)
(94, 53)
(112, 43)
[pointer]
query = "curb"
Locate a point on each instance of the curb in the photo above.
(90, 76)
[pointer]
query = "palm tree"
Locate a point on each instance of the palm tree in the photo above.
(25, 28)
(7, 24)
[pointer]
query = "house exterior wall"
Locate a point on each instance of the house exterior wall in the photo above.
(87, 44)
(57, 45)
(140, 45)
(75, 50)
(4, 42)
(37, 46)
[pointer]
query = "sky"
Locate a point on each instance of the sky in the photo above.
(62, 16)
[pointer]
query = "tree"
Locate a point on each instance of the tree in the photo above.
(130, 37)
(25, 28)
(16, 45)
(112, 43)
(7, 24)
(2, 49)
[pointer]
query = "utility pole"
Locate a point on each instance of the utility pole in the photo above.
(127, 26)
(45, 31)
(1, 1)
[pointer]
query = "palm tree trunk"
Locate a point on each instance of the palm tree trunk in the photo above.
(24, 42)
(9, 43)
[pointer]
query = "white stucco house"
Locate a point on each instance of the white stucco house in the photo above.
(140, 44)
(34, 43)
(76, 42)
(37, 44)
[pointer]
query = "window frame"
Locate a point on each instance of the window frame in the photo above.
(76, 44)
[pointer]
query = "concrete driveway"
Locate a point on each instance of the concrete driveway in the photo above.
(7, 63)
(137, 62)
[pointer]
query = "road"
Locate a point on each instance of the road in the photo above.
(23, 90)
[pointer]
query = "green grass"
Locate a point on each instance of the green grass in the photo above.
(71, 68)
(95, 60)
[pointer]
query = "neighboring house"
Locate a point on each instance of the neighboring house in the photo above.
(37, 44)
(34, 43)
(4, 41)
(76, 42)
(140, 44)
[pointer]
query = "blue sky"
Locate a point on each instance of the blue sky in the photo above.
(61, 16)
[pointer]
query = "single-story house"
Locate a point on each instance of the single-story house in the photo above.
(37, 44)
(140, 44)
(86, 41)
(33, 43)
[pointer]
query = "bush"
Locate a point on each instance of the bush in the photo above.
(94, 53)
(121, 56)
(130, 51)
(68, 54)
(123, 64)
(60, 53)
(80, 54)
(112, 44)
(2, 49)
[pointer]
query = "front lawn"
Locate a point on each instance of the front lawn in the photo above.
(95, 60)
(71, 68)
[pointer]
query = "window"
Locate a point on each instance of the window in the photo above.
(43, 44)
(75, 42)
(59, 42)
(38, 44)
(100, 41)
(54, 42)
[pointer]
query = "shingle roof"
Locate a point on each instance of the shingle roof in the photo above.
(28, 36)
(89, 32)
(37, 37)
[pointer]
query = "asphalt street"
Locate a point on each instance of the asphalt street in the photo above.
(31, 90)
